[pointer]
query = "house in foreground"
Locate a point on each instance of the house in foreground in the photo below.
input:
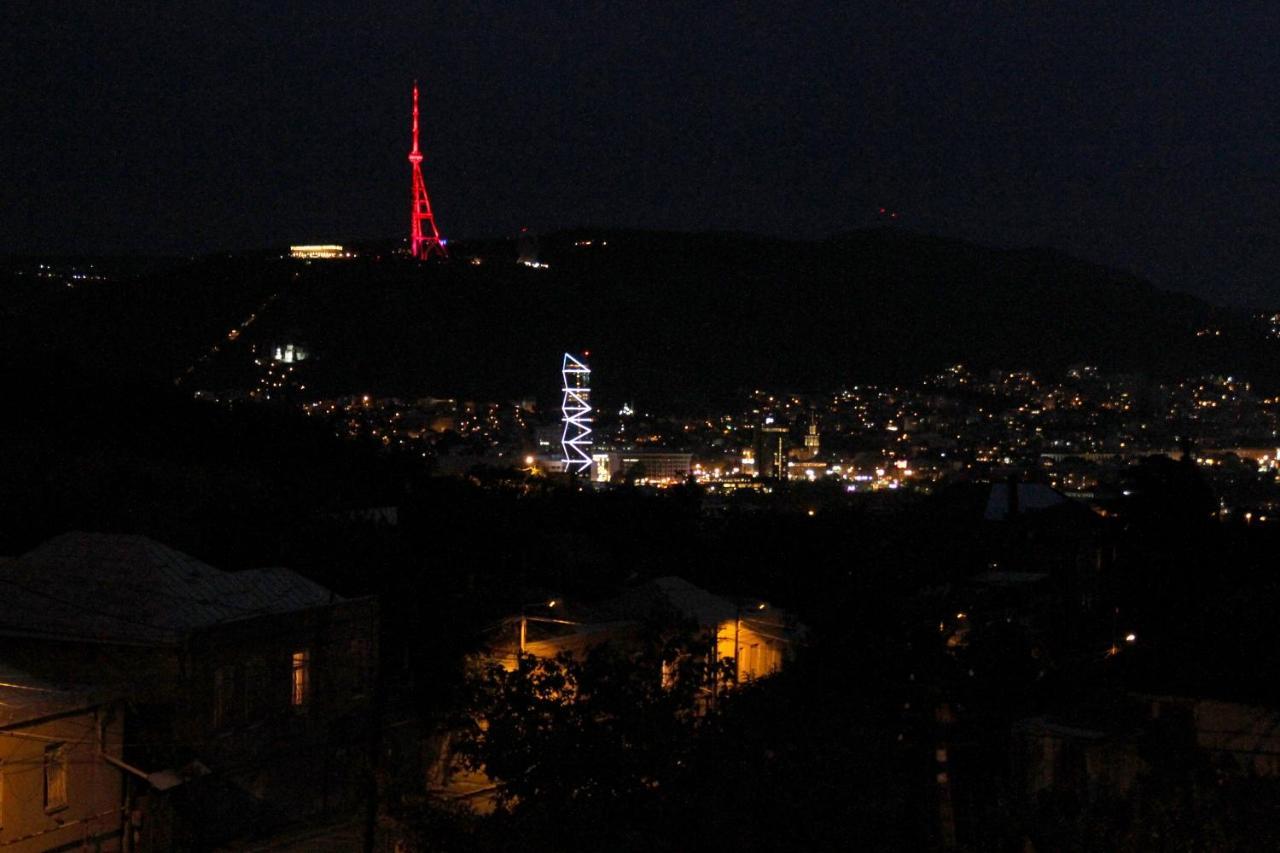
(61, 776)
(754, 636)
(249, 692)
(1098, 753)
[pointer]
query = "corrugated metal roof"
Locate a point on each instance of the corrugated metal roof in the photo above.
(126, 588)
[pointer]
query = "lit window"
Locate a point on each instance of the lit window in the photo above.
(55, 778)
(301, 679)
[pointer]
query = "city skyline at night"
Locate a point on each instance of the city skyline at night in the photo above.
(826, 426)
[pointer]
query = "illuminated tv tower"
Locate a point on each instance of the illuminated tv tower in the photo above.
(576, 439)
(422, 245)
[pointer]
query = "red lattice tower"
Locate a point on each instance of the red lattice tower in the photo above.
(423, 243)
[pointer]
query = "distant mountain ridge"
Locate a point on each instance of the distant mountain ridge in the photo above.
(670, 318)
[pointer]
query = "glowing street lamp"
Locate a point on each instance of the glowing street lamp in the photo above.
(524, 619)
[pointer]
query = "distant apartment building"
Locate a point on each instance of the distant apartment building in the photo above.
(652, 465)
(807, 470)
(772, 449)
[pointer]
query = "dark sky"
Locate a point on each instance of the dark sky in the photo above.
(1139, 135)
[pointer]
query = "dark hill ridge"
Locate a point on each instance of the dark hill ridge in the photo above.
(670, 319)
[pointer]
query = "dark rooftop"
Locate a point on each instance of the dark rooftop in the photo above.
(131, 589)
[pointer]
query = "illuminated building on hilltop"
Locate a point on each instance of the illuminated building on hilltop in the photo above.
(575, 438)
(289, 353)
(319, 251)
(422, 243)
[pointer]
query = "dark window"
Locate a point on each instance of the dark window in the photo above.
(256, 687)
(224, 695)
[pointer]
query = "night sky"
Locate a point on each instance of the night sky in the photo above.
(1138, 135)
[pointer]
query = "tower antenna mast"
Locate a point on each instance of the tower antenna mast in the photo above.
(423, 242)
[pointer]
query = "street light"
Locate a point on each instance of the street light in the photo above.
(524, 619)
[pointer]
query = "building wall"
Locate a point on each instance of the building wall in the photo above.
(281, 704)
(1244, 738)
(755, 654)
(101, 664)
(1091, 764)
(648, 464)
(300, 758)
(771, 445)
(93, 811)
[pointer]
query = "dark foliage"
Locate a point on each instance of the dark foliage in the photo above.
(597, 754)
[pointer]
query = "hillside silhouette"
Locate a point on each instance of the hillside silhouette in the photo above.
(671, 320)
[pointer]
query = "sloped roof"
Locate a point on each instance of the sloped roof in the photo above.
(671, 593)
(24, 698)
(131, 589)
(1031, 497)
(696, 602)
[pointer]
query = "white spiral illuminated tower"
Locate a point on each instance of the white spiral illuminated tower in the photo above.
(576, 438)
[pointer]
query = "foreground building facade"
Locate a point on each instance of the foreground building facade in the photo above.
(249, 692)
(61, 774)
